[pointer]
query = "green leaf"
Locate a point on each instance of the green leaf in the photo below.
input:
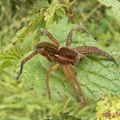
(10, 57)
(12, 54)
(55, 7)
(95, 76)
(114, 7)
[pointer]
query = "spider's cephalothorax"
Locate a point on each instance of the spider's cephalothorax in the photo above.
(47, 47)
(66, 57)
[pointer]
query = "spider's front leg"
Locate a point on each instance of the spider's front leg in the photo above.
(50, 36)
(53, 68)
(24, 61)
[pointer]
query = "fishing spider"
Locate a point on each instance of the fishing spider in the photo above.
(65, 57)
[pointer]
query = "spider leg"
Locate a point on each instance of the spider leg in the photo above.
(82, 100)
(87, 50)
(80, 56)
(24, 61)
(70, 81)
(53, 68)
(70, 34)
(74, 69)
(51, 37)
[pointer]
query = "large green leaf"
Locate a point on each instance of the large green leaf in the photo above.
(95, 76)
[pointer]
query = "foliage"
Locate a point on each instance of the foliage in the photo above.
(114, 7)
(19, 32)
(108, 108)
(18, 104)
(12, 21)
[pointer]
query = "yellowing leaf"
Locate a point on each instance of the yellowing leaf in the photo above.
(108, 108)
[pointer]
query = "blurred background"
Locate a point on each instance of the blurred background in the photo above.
(20, 21)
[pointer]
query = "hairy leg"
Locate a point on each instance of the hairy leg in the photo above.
(74, 69)
(87, 50)
(80, 56)
(24, 61)
(70, 81)
(51, 37)
(48, 78)
(77, 84)
(70, 34)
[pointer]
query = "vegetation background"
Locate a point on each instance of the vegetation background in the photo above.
(20, 22)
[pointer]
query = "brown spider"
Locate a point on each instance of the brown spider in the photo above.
(65, 57)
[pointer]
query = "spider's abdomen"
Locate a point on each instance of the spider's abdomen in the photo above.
(66, 52)
(66, 56)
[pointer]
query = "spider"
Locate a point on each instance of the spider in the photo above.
(66, 57)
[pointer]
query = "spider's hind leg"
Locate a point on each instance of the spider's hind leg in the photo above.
(87, 50)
